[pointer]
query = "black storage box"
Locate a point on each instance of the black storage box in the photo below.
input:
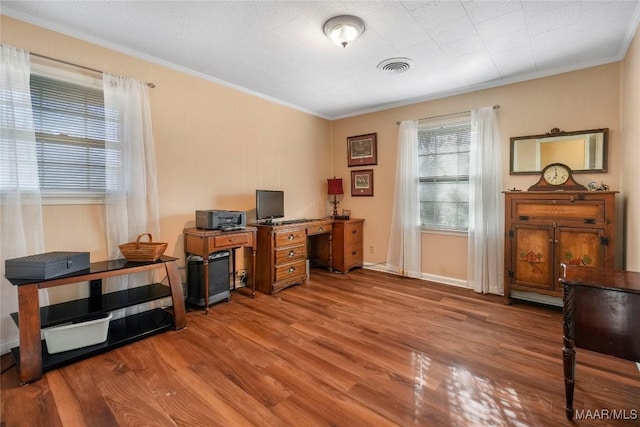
(46, 266)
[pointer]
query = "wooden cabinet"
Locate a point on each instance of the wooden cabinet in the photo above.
(544, 229)
(347, 244)
(32, 356)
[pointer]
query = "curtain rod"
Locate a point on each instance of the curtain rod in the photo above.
(495, 107)
(149, 84)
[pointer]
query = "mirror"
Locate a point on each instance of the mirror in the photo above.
(583, 151)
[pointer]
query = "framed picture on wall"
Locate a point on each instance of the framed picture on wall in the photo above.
(362, 182)
(362, 150)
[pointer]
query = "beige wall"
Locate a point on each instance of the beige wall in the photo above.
(585, 99)
(214, 146)
(630, 180)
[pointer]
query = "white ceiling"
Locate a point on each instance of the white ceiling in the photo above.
(277, 50)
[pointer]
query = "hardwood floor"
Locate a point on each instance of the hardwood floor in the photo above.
(362, 349)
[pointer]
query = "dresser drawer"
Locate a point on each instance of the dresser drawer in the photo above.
(593, 210)
(290, 237)
(289, 271)
(290, 254)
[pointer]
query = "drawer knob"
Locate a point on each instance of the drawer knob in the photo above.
(292, 254)
(320, 229)
(354, 252)
(354, 231)
(291, 270)
(290, 237)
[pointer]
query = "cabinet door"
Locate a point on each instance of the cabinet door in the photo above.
(579, 246)
(532, 256)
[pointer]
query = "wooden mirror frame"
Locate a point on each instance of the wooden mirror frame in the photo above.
(556, 134)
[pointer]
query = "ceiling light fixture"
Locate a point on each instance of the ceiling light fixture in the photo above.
(344, 29)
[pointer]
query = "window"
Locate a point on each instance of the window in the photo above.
(444, 173)
(68, 116)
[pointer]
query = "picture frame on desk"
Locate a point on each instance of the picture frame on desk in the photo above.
(346, 214)
(362, 150)
(362, 182)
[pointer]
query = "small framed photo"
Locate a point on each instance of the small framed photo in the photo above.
(362, 150)
(362, 182)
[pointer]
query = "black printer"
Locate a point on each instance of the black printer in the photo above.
(220, 220)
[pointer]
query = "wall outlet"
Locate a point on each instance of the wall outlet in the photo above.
(372, 250)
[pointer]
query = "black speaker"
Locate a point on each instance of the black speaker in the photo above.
(218, 278)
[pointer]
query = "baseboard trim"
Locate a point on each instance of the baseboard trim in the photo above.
(423, 276)
(538, 298)
(445, 280)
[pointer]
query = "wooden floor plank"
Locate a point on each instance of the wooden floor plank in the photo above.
(358, 349)
(69, 408)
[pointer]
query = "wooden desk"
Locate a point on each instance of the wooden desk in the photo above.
(601, 313)
(283, 248)
(32, 356)
(204, 242)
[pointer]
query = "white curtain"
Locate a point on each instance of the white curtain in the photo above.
(403, 254)
(21, 230)
(486, 209)
(132, 196)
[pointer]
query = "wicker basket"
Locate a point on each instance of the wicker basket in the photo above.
(143, 251)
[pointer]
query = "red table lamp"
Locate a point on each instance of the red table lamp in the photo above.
(334, 189)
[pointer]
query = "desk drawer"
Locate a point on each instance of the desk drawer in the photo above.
(290, 271)
(352, 233)
(290, 237)
(319, 228)
(353, 256)
(231, 239)
(290, 254)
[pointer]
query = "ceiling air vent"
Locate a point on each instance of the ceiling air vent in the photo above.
(395, 65)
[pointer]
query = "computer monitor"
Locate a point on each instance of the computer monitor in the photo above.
(269, 205)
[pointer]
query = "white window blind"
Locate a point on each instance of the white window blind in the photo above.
(444, 173)
(70, 132)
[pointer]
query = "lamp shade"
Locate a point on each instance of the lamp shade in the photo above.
(334, 186)
(344, 29)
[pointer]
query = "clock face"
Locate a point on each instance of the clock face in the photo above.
(556, 174)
